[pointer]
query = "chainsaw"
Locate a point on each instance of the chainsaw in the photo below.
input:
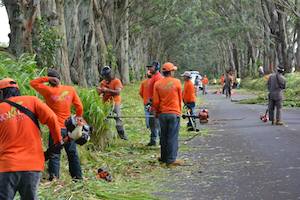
(202, 116)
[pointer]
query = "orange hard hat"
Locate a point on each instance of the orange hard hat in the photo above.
(8, 82)
(168, 66)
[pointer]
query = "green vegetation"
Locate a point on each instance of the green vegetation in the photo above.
(134, 167)
(258, 86)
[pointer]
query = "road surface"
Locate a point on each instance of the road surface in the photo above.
(242, 158)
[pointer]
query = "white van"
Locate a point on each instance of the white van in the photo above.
(194, 75)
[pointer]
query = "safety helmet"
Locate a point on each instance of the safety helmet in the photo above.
(280, 68)
(79, 132)
(106, 70)
(8, 82)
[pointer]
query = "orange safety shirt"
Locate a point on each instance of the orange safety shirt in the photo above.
(167, 96)
(144, 93)
(59, 99)
(113, 85)
(20, 140)
(222, 79)
(155, 77)
(205, 81)
(188, 94)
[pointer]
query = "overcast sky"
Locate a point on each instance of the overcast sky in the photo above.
(4, 26)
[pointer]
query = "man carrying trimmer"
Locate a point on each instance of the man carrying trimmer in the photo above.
(276, 85)
(110, 89)
(144, 94)
(21, 151)
(153, 121)
(188, 95)
(60, 99)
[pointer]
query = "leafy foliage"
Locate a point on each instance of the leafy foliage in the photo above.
(46, 43)
(291, 94)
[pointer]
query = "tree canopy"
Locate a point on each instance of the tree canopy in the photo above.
(211, 36)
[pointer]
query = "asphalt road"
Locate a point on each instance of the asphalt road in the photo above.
(242, 158)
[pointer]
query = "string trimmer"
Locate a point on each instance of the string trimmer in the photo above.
(265, 116)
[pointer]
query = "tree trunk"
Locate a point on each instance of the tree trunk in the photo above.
(22, 15)
(124, 37)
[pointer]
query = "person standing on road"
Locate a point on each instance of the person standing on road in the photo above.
(276, 84)
(188, 95)
(153, 121)
(110, 89)
(204, 84)
(167, 101)
(197, 85)
(228, 84)
(60, 99)
(21, 152)
(144, 94)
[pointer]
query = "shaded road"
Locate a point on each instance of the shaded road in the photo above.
(243, 158)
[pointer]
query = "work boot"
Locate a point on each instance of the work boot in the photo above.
(280, 123)
(52, 177)
(151, 144)
(175, 163)
(190, 128)
(122, 135)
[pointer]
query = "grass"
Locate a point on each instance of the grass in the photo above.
(258, 86)
(134, 167)
(136, 172)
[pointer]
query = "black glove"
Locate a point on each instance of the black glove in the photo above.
(149, 105)
(54, 149)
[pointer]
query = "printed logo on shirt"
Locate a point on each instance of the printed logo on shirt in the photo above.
(64, 96)
(12, 113)
(168, 86)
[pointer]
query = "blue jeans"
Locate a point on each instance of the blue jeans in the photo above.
(169, 124)
(191, 106)
(24, 182)
(147, 113)
(155, 129)
(73, 159)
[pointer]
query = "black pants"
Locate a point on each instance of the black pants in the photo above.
(24, 182)
(73, 158)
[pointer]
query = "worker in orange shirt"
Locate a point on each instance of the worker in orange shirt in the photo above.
(60, 99)
(144, 94)
(188, 95)
(110, 89)
(222, 81)
(167, 101)
(154, 68)
(204, 83)
(21, 151)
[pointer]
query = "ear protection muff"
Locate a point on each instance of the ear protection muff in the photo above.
(156, 65)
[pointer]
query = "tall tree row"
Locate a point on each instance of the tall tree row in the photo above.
(211, 36)
(91, 34)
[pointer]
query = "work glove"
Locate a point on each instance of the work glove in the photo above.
(149, 105)
(54, 149)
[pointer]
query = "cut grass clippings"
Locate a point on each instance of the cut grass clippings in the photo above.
(134, 167)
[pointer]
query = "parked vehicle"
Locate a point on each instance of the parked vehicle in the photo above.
(194, 75)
